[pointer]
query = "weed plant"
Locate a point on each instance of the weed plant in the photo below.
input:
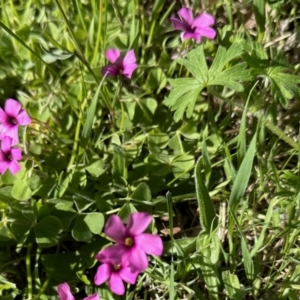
(196, 132)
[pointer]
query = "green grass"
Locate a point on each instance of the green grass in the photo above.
(207, 143)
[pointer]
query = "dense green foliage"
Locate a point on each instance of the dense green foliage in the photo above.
(206, 142)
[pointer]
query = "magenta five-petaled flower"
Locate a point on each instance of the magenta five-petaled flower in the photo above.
(10, 118)
(9, 156)
(115, 271)
(132, 244)
(64, 293)
(194, 28)
(119, 65)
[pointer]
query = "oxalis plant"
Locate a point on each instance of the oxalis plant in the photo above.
(149, 150)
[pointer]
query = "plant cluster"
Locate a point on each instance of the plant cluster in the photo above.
(169, 172)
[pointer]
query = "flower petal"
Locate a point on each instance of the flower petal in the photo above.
(194, 36)
(110, 70)
(92, 297)
(203, 21)
(150, 243)
(112, 254)
(186, 15)
(12, 107)
(116, 284)
(64, 292)
(207, 32)
(3, 116)
(16, 153)
(112, 55)
(103, 274)
(14, 167)
(10, 131)
(137, 259)
(138, 223)
(115, 229)
(4, 166)
(178, 24)
(128, 275)
(128, 70)
(6, 144)
(23, 118)
(129, 58)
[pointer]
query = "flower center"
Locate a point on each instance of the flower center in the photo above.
(13, 121)
(9, 157)
(128, 241)
(117, 267)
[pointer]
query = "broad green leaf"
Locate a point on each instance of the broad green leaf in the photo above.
(223, 57)
(142, 193)
(185, 91)
(196, 63)
(6, 194)
(207, 213)
(21, 191)
(126, 210)
(230, 77)
(232, 284)
(4, 233)
(81, 231)
(47, 231)
(189, 130)
(95, 222)
(65, 213)
(182, 164)
(8, 178)
(158, 165)
(95, 167)
(183, 96)
(62, 266)
(208, 267)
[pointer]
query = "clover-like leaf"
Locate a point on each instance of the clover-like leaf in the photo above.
(47, 230)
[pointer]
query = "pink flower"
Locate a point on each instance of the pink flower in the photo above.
(9, 157)
(92, 297)
(133, 244)
(115, 271)
(194, 28)
(12, 116)
(64, 293)
(120, 65)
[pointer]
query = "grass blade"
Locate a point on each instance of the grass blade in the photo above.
(242, 176)
(207, 213)
(90, 117)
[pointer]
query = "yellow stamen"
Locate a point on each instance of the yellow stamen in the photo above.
(129, 242)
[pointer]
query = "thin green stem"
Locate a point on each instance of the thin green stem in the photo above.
(268, 124)
(99, 37)
(228, 5)
(77, 134)
(281, 134)
(42, 290)
(28, 271)
(80, 16)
